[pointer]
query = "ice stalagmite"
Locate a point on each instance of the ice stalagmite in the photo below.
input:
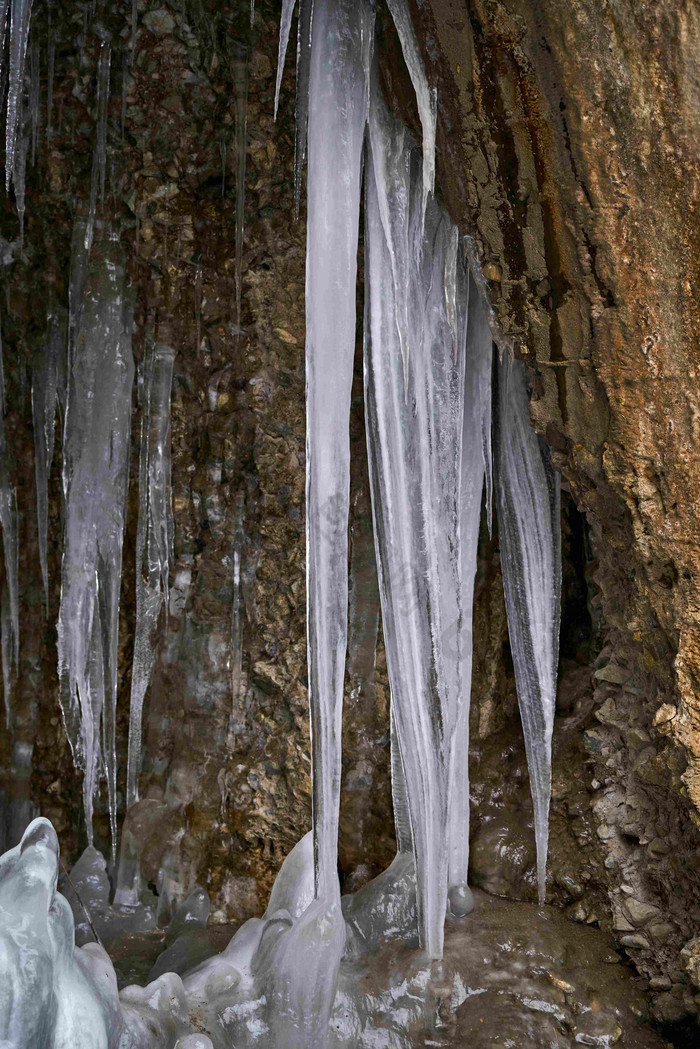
(95, 476)
(154, 538)
(48, 372)
(342, 38)
(416, 289)
(528, 501)
(475, 455)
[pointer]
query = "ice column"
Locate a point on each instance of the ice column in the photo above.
(417, 295)
(475, 462)
(528, 502)
(342, 38)
(154, 538)
(95, 477)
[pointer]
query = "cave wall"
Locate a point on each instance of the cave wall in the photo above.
(568, 151)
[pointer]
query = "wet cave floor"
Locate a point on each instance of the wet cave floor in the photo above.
(513, 975)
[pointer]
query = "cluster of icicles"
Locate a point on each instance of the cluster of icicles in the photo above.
(443, 415)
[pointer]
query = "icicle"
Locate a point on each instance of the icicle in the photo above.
(338, 110)
(51, 62)
(528, 502)
(153, 539)
(20, 15)
(125, 81)
(305, 27)
(10, 542)
(414, 426)
(34, 98)
(95, 477)
(478, 366)
(285, 26)
(425, 95)
(241, 98)
(45, 379)
(236, 629)
(252, 13)
(7, 650)
(103, 69)
(134, 25)
(19, 180)
(402, 816)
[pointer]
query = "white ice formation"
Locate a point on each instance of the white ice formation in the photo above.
(95, 478)
(528, 503)
(154, 538)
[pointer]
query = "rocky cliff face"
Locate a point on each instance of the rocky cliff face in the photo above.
(568, 140)
(567, 151)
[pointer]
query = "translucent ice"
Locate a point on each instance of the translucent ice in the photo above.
(341, 45)
(475, 457)
(51, 993)
(154, 537)
(528, 502)
(95, 477)
(416, 293)
(10, 545)
(20, 15)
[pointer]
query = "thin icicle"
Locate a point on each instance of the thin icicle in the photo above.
(20, 16)
(342, 38)
(305, 28)
(134, 25)
(528, 501)
(7, 650)
(34, 98)
(236, 630)
(10, 542)
(19, 178)
(425, 95)
(46, 372)
(51, 64)
(103, 70)
(252, 13)
(95, 477)
(241, 101)
(153, 540)
(478, 364)
(285, 26)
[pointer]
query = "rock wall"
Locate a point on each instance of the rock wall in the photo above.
(567, 143)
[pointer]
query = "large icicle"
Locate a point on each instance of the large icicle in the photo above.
(153, 540)
(425, 95)
(342, 38)
(477, 407)
(414, 423)
(20, 15)
(95, 476)
(528, 502)
(48, 371)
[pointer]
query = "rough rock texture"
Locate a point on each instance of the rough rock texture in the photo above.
(568, 138)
